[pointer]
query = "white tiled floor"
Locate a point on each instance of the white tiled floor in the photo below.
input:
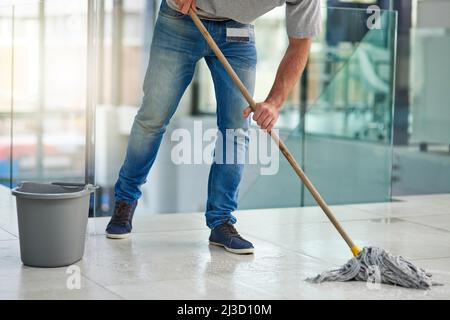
(168, 256)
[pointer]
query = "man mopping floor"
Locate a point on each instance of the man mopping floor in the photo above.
(177, 46)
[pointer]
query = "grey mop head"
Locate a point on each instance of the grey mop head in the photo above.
(377, 265)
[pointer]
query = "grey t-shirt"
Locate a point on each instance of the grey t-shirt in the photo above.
(303, 19)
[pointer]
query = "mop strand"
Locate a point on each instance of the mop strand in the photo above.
(379, 266)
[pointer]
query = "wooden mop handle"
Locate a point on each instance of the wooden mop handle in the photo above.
(283, 148)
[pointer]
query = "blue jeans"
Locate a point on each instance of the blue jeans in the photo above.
(177, 46)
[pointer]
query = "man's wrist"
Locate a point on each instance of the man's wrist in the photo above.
(277, 102)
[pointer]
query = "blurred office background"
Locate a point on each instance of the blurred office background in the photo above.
(369, 119)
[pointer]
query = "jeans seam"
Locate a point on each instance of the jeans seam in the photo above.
(210, 184)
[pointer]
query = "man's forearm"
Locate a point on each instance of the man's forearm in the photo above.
(289, 71)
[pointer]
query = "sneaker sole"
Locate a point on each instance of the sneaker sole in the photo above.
(235, 251)
(118, 236)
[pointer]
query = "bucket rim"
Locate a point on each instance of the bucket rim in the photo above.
(87, 190)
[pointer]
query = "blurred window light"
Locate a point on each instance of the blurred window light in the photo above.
(18, 2)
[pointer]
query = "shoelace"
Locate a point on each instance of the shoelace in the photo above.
(122, 213)
(229, 230)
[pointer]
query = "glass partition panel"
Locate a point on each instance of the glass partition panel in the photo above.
(6, 61)
(49, 90)
(348, 141)
(341, 131)
(27, 149)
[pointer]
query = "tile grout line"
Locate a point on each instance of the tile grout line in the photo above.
(103, 287)
(379, 213)
(16, 237)
(277, 244)
(405, 217)
(268, 293)
(424, 225)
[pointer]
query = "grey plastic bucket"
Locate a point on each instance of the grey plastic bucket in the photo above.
(52, 222)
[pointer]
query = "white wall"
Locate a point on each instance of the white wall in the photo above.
(433, 14)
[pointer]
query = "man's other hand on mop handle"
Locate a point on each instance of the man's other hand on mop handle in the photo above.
(185, 5)
(266, 114)
(288, 74)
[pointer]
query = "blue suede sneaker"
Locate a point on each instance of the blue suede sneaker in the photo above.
(227, 237)
(120, 225)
